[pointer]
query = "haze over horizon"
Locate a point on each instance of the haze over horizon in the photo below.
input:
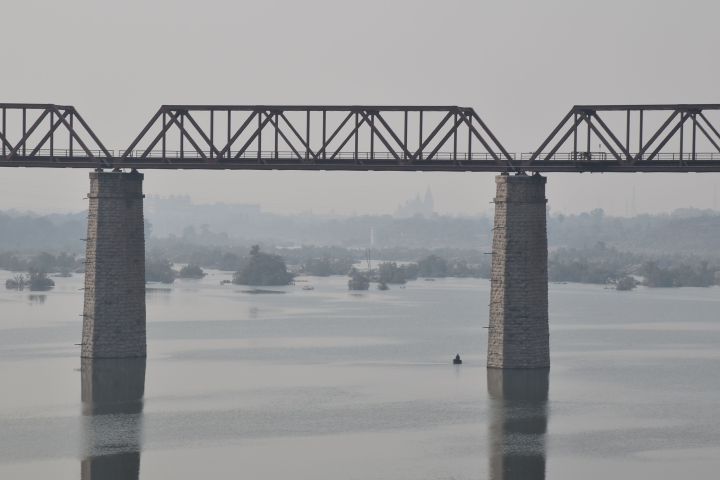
(118, 63)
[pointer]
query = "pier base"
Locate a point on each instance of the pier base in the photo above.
(114, 310)
(518, 332)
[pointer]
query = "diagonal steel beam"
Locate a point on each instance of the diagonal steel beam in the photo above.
(550, 137)
(285, 139)
(48, 134)
(347, 139)
(623, 149)
(29, 133)
(403, 145)
(602, 137)
(187, 135)
(254, 134)
(573, 128)
(335, 133)
(683, 118)
(143, 132)
(202, 133)
(433, 134)
(297, 134)
(644, 148)
(157, 138)
(237, 134)
(491, 135)
(380, 135)
(73, 133)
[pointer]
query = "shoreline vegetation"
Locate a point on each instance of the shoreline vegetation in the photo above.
(600, 264)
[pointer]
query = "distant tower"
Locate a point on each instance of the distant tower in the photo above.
(372, 236)
(428, 203)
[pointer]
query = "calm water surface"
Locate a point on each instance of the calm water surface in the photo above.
(326, 384)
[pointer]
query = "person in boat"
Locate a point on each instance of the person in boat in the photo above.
(456, 360)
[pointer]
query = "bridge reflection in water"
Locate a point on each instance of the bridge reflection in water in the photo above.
(518, 423)
(112, 399)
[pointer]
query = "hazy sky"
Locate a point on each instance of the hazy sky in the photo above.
(520, 64)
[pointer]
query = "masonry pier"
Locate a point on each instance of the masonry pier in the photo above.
(114, 309)
(518, 332)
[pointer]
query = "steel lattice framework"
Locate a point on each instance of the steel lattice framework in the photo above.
(630, 138)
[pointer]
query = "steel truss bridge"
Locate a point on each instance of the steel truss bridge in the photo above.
(589, 138)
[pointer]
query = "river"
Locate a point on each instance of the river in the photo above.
(329, 384)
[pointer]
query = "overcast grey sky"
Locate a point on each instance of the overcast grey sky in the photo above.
(520, 64)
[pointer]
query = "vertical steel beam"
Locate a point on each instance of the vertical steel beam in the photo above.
(405, 133)
(307, 135)
(52, 134)
(357, 133)
(324, 133)
(694, 135)
(470, 126)
(4, 130)
(70, 133)
(640, 133)
(212, 132)
(164, 139)
(420, 154)
(24, 123)
(277, 129)
(682, 136)
(372, 135)
(627, 131)
(259, 136)
(589, 126)
(229, 131)
(575, 140)
(455, 122)
(182, 137)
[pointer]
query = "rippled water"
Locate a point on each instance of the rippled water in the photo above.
(326, 384)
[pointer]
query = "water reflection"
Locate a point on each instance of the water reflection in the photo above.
(112, 399)
(37, 299)
(518, 423)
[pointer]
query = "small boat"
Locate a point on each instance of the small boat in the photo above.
(308, 287)
(457, 360)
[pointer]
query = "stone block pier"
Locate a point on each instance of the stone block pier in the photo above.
(114, 307)
(518, 333)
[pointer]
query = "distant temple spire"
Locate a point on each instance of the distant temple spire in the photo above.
(424, 206)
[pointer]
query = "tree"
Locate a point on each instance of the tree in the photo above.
(263, 269)
(159, 270)
(191, 271)
(433, 266)
(358, 280)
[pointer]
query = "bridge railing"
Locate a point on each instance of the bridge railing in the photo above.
(290, 155)
(65, 153)
(607, 157)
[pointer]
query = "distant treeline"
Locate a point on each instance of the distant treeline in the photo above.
(683, 232)
(42, 262)
(602, 264)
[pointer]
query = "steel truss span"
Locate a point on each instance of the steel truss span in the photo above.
(589, 138)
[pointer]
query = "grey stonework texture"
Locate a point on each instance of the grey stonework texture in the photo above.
(114, 310)
(518, 334)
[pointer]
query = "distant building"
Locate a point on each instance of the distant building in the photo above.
(424, 207)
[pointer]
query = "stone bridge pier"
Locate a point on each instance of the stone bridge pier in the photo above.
(518, 333)
(114, 308)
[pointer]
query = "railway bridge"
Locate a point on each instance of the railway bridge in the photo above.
(589, 138)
